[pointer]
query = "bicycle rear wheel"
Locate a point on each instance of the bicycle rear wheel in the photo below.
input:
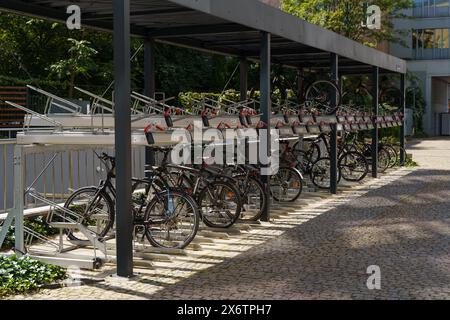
(286, 185)
(353, 166)
(384, 160)
(220, 204)
(253, 197)
(171, 220)
(321, 175)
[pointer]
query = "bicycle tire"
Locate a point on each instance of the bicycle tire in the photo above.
(333, 90)
(111, 213)
(232, 195)
(320, 170)
(160, 201)
(244, 184)
(284, 175)
(361, 162)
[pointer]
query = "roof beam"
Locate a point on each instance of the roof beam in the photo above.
(39, 11)
(142, 13)
(198, 30)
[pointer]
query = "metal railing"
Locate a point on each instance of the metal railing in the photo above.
(71, 169)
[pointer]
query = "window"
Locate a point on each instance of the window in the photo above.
(428, 39)
(431, 39)
(431, 8)
(445, 38)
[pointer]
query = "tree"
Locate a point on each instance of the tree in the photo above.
(346, 16)
(80, 62)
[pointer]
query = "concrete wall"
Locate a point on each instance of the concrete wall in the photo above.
(434, 89)
(426, 71)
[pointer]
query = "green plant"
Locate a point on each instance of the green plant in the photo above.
(20, 275)
(80, 62)
(37, 224)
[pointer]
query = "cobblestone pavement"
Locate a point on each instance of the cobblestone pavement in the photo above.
(318, 248)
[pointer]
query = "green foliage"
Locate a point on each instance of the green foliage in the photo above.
(21, 275)
(79, 62)
(37, 224)
(345, 17)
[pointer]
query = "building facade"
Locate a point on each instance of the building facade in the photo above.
(427, 36)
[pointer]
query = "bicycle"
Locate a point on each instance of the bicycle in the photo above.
(168, 218)
(218, 199)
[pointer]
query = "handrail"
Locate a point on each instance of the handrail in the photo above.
(97, 98)
(34, 113)
(54, 97)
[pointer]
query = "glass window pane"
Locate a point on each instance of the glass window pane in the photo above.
(445, 38)
(441, 3)
(414, 39)
(438, 38)
(428, 39)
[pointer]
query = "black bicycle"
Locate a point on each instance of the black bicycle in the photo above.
(168, 218)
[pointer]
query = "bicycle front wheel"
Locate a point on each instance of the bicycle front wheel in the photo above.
(91, 209)
(171, 220)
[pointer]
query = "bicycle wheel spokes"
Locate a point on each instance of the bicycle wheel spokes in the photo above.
(219, 205)
(253, 197)
(320, 173)
(93, 210)
(171, 220)
(353, 166)
(286, 185)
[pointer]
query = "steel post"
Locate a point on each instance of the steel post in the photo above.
(19, 192)
(333, 139)
(266, 104)
(375, 102)
(122, 94)
(149, 88)
(403, 110)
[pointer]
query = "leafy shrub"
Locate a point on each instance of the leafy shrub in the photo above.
(20, 275)
(37, 224)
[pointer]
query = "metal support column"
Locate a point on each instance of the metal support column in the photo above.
(375, 102)
(403, 110)
(333, 139)
(266, 104)
(244, 78)
(19, 192)
(149, 88)
(122, 74)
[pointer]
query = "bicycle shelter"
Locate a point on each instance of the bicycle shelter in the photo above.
(249, 29)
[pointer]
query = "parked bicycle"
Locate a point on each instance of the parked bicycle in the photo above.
(168, 218)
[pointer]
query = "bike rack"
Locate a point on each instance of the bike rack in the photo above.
(53, 100)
